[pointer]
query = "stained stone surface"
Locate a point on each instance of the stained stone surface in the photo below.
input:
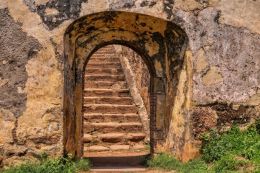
(17, 48)
(223, 44)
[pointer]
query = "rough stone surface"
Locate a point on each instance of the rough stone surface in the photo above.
(8, 123)
(240, 13)
(226, 57)
(17, 48)
(138, 79)
(142, 74)
(223, 36)
(212, 77)
(63, 10)
(203, 120)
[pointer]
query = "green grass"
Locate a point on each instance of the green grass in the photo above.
(232, 151)
(46, 165)
(167, 162)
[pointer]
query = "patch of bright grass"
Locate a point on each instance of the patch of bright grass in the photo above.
(230, 163)
(232, 151)
(46, 165)
(164, 161)
(167, 162)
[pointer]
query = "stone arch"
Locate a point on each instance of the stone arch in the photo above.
(160, 43)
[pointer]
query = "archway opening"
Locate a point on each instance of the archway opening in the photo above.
(116, 107)
(162, 46)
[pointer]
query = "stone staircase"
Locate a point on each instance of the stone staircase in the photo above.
(112, 126)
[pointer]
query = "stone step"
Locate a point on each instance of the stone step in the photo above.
(107, 153)
(113, 78)
(105, 51)
(96, 148)
(102, 59)
(109, 108)
(91, 62)
(108, 127)
(104, 65)
(121, 169)
(95, 92)
(115, 147)
(104, 71)
(114, 137)
(98, 117)
(101, 55)
(106, 85)
(109, 100)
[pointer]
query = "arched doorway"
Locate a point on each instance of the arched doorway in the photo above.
(160, 43)
(116, 107)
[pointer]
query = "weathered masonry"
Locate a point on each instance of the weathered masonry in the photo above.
(160, 43)
(115, 119)
(202, 56)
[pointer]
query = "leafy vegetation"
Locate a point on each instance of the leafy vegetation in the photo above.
(167, 162)
(46, 165)
(232, 151)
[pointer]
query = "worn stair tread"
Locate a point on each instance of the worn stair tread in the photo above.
(107, 65)
(104, 64)
(114, 124)
(126, 153)
(110, 108)
(96, 148)
(105, 90)
(105, 75)
(106, 83)
(100, 84)
(111, 65)
(107, 100)
(111, 124)
(106, 117)
(114, 137)
(105, 127)
(107, 105)
(114, 78)
(103, 71)
(101, 89)
(117, 147)
(109, 114)
(90, 92)
(106, 97)
(104, 59)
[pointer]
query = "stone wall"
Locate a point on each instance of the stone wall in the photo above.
(138, 80)
(140, 72)
(223, 47)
